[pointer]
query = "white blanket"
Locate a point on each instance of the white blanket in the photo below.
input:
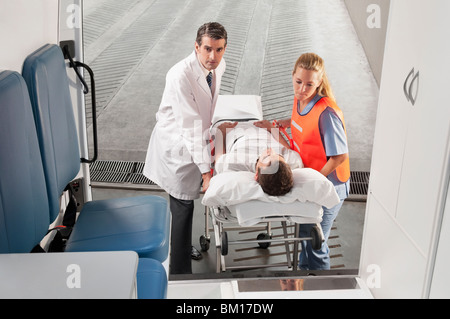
(253, 212)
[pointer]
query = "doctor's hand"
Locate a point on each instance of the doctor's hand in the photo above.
(206, 178)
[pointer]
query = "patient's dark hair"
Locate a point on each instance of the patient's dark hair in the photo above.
(278, 183)
(214, 30)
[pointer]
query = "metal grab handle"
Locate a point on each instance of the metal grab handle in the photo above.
(94, 112)
(75, 65)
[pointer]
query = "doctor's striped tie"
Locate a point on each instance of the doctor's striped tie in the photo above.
(209, 79)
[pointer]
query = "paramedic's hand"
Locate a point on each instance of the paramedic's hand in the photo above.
(285, 123)
(206, 178)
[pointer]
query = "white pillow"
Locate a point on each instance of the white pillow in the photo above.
(231, 188)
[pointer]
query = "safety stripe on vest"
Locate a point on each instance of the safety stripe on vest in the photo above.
(296, 146)
(298, 127)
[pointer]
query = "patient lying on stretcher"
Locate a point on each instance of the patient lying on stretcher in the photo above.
(238, 155)
(241, 146)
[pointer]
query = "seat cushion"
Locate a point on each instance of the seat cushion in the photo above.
(151, 279)
(140, 224)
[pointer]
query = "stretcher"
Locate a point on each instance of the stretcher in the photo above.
(235, 201)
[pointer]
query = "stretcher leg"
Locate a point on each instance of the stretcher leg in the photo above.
(286, 245)
(296, 243)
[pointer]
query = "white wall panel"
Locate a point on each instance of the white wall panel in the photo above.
(390, 250)
(428, 118)
(391, 124)
(24, 26)
(440, 281)
(410, 160)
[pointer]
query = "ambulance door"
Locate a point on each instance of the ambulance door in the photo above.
(409, 175)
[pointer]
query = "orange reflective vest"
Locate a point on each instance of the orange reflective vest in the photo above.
(307, 141)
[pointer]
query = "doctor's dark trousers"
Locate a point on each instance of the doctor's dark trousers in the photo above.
(181, 240)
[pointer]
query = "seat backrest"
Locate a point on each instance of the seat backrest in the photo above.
(24, 210)
(45, 74)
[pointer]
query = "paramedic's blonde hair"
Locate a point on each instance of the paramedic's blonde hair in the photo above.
(313, 62)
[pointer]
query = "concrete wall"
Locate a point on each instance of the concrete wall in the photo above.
(369, 18)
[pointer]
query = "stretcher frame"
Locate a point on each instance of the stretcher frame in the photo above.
(220, 229)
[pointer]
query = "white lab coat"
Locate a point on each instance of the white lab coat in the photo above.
(177, 154)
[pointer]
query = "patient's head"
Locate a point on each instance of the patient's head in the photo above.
(273, 174)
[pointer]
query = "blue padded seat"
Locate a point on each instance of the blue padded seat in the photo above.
(24, 207)
(24, 210)
(151, 279)
(120, 223)
(139, 224)
(55, 122)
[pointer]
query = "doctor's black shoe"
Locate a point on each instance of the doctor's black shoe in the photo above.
(195, 254)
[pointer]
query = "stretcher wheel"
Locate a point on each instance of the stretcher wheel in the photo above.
(262, 236)
(224, 248)
(316, 237)
(204, 243)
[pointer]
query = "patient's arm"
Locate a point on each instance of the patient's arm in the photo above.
(279, 137)
(221, 138)
(265, 124)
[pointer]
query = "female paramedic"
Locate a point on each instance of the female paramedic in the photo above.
(319, 135)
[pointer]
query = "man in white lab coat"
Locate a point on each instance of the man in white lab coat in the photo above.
(178, 158)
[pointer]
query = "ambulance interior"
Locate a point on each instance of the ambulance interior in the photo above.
(406, 234)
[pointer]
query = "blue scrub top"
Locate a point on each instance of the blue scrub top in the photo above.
(334, 140)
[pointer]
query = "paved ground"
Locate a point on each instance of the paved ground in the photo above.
(131, 44)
